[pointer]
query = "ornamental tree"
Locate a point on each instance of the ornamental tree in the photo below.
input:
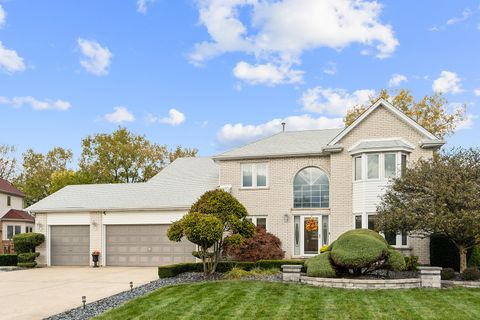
(437, 196)
(217, 219)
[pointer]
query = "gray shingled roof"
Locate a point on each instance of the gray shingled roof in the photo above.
(381, 144)
(179, 185)
(289, 143)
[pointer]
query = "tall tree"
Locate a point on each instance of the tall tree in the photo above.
(37, 170)
(180, 152)
(431, 112)
(8, 162)
(437, 196)
(125, 157)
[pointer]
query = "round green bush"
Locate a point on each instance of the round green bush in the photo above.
(27, 242)
(447, 274)
(471, 274)
(358, 249)
(320, 266)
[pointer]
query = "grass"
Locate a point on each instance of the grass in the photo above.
(270, 300)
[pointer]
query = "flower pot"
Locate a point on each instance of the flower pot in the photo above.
(95, 260)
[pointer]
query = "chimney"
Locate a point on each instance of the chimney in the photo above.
(283, 126)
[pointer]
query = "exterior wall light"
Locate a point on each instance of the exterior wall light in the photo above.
(285, 218)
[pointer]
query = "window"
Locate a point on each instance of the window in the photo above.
(259, 222)
(9, 201)
(403, 164)
(254, 175)
(358, 222)
(358, 168)
(13, 230)
(390, 165)
(399, 239)
(371, 221)
(28, 229)
(372, 168)
(311, 189)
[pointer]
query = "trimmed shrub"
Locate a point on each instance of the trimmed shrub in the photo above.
(27, 242)
(471, 274)
(447, 274)
(277, 264)
(262, 246)
(222, 267)
(474, 260)
(411, 263)
(320, 266)
(362, 251)
(8, 260)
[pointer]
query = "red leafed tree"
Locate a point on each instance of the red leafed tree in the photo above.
(263, 246)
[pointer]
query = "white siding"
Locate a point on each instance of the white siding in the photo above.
(16, 203)
(59, 219)
(367, 195)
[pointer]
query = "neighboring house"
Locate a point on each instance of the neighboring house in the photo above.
(334, 177)
(13, 220)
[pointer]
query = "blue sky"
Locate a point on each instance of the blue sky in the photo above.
(213, 74)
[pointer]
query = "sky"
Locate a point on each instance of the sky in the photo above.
(215, 74)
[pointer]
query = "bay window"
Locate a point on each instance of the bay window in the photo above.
(379, 166)
(373, 167)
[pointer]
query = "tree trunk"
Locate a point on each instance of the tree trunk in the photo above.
(463, 257)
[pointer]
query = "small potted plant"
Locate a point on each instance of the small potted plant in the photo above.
(95, 255)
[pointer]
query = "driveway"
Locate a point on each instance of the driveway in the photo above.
(42, 292)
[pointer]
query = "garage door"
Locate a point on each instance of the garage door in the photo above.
(144, 245)
(70, 245)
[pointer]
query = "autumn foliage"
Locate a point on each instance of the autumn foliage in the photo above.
(263, 246)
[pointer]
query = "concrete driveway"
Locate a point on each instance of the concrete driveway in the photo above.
(42, 292)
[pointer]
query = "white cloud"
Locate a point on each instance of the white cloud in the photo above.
(142, 5)
(396, 80)
(467, 122)
(3, 16)
(119, 115)
(269, 73)
(96, 58)
(448, 82)
(330, 68)
(477, 92)
(332, 101)
(36, 104)
(235, 134)
(10, 61)
(465, 15)
(174, 118)
(280, 31)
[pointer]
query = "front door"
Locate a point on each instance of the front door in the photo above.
(310, 233)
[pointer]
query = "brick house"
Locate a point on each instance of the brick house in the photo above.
(13, 220)
(333, 177)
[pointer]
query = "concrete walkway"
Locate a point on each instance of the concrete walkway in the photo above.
(42, 292)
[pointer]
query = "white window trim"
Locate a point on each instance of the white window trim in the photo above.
(398, 242)
(381, 164)
(254, 175)
(13, 232)
(254, 220)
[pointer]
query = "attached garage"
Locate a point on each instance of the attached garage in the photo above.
(144, 245)
(70, 245)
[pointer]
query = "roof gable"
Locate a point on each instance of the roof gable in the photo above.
(14, 214)
(388, 106)
(8, 188)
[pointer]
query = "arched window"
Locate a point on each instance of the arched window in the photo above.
(311, 189)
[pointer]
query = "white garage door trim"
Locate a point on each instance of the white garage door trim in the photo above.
(156, 263)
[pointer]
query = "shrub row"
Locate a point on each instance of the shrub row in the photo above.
(8, 260)
(222, 267)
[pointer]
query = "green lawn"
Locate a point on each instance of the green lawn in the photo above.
(265, 300)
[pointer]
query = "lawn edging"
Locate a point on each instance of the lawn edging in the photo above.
(429, 278)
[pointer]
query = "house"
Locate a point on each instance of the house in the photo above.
(333, 178)
(13, 220)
